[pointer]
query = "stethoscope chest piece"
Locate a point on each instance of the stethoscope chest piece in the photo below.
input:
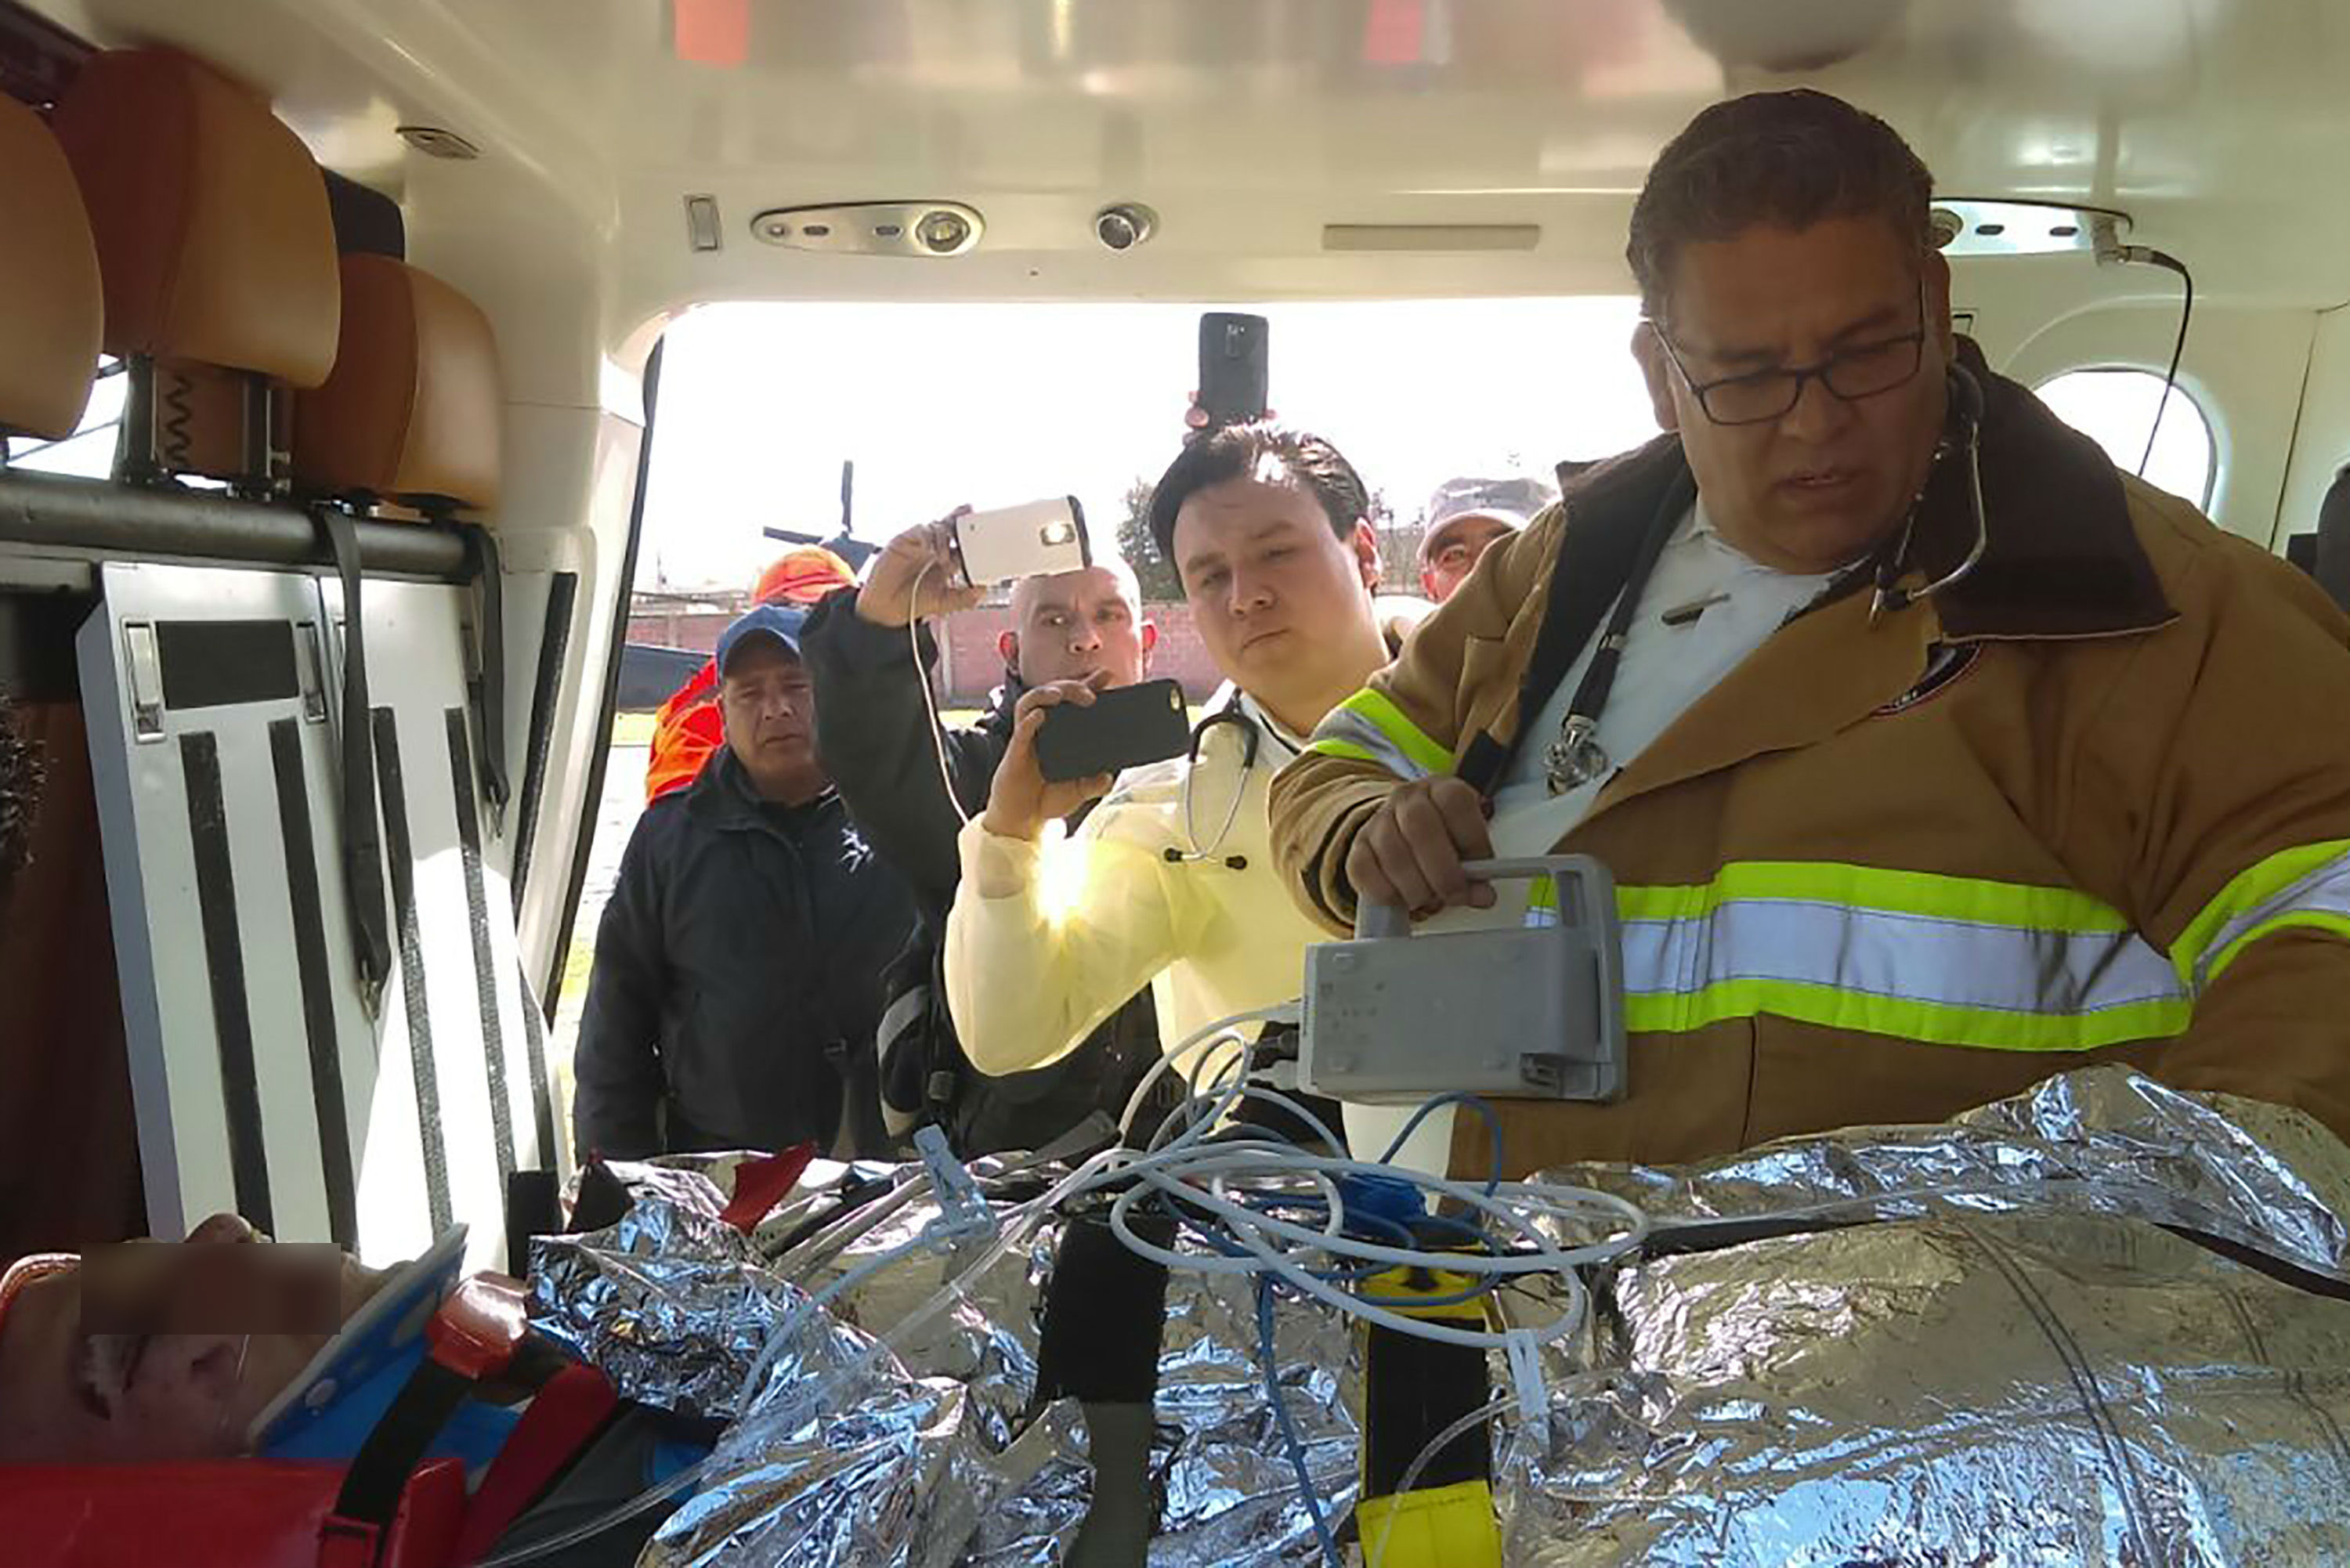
(1252, 736)
(1575, 757)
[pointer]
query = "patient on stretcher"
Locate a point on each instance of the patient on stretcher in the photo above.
(176, 1357)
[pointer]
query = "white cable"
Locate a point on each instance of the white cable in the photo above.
(1173, 1171)
(1200, 1039)
(1256, 1241)
(1303, 1281)
(1420, 1461)
(1546, 1257)
(930, 699)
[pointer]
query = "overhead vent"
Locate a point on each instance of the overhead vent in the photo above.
(1431, 237)
(874, 228)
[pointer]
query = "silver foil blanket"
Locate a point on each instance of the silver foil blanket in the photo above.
(2025, 1388)
(669, 1303)
(1968, 1345)
(1229, 1493)
(2101, 1323)
(933, 1451)
(2105, 1140)
(922, 1453)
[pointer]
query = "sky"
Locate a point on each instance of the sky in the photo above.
(997, 404)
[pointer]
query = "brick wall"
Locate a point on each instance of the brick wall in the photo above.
(970, 668)
(697, 631)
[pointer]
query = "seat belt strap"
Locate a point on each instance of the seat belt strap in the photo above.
(489, 681)
(362, 832)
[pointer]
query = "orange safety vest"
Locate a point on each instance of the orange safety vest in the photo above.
(686, 731)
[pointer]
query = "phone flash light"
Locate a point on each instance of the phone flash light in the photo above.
(1059, 533)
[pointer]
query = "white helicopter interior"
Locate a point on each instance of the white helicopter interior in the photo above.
(585, 169)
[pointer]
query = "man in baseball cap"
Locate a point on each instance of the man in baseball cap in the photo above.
(1464, 517)
(738, 968)
(686, 731)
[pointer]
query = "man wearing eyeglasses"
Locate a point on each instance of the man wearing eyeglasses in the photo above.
(1932, 756)
(1466, 517)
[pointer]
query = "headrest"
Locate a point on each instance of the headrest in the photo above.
(50, 299)
(413, 410)
(210, 218)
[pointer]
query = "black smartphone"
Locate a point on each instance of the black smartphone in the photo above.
(1232, 367)
(1126, 726)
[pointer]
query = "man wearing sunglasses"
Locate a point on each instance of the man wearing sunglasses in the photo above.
(1931, 755)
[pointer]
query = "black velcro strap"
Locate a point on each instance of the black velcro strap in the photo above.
(1105, 1313)
(1413, 1388)
(490, 680)
(361, 833)
(372, 1486)
(1482, 763)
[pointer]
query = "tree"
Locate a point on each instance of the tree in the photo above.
(1399, 545)
(1160, 584)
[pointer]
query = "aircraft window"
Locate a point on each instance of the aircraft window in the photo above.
(88, 452)
(2114, 408)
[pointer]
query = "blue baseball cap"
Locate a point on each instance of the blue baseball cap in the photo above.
(782, 622)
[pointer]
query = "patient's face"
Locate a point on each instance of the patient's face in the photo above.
(151, 1353)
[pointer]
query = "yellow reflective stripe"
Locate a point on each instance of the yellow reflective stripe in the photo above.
(1331, 746)
(1345, 734)
(1383, 715)
(1973, 899)
(2306, 919)
(2207, 945)
(1940, 1024)
(1912, 955)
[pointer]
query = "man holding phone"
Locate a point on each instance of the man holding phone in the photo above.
(1169, 881)
(886, 751)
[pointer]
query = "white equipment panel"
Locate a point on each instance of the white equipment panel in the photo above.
(261, 1083)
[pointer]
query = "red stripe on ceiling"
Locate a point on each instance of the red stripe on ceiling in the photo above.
(1392, 31)
(713, 32)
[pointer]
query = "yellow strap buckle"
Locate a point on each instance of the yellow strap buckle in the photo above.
(1441, 1527)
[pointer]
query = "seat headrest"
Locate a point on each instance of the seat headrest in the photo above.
(414, 410)
(210, 218)
(50, 312)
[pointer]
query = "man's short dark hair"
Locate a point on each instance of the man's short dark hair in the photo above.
(1246, 451)
(1787, 159)
(19, 783)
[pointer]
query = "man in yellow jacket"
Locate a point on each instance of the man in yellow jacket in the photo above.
(1169, 883)
(1931, 754)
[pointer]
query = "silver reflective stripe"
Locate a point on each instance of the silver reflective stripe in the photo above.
(895, 1032)
(1361, 738)
(2324, 891)
(1908, 958)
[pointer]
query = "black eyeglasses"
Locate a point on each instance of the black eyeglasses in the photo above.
(1863, 370)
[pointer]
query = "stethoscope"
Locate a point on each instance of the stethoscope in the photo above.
(1251, 737)
(1575, 757)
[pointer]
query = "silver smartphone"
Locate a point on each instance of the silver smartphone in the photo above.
(1025, 541)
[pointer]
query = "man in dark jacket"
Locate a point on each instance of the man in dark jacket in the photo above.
(738, 969)
(884, 751)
